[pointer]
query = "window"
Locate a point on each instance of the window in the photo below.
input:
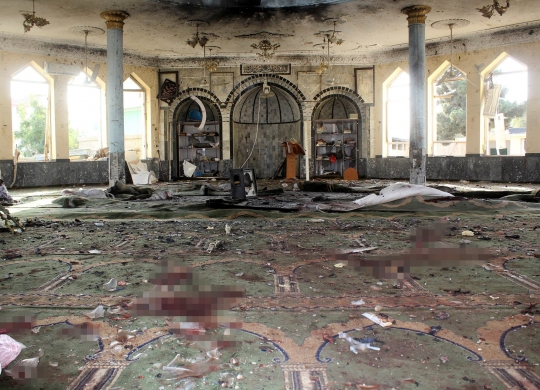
(449, 113)
(508, 128)
(85, 118)
(397, 116)
(134, 118)
(30, 113)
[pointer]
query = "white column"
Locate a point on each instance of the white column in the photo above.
(532, 143)
(226, 134)
(115, 93)
(475, 117)
(60, 132)
(6, 129)
(307, 145)
(417, 68)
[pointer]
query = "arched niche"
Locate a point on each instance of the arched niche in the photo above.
(337, 135)
(260, 123)
(202, 148)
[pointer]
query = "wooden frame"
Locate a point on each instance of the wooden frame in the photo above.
(364, 84)
(168, 75)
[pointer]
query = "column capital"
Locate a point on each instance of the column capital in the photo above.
(115, 19)
(416, 13)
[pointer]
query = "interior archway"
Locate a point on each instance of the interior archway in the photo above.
(260, 123)
(188, 114)
(336, 134)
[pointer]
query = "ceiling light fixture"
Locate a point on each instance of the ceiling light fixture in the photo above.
(488, 10)
(204, 82)
(31, 20)
(330, 37)
(198, 38)
(211, 64)
(268, 49)
(325, 62)
(333, 37)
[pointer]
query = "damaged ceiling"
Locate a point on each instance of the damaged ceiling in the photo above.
(158, 29)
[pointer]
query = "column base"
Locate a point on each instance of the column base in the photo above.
(532, 154)
(62, 160)
(473, 155)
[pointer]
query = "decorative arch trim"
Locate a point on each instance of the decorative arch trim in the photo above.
(259, 79)
(201, 93)
(323, 99)
(340, 91)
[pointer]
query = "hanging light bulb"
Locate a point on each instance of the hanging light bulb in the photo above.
(192, 41)
(324, 65)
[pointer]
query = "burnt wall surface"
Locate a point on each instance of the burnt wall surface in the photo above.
(493, 168)
(56, 173)
(65, 173)
(489, 168)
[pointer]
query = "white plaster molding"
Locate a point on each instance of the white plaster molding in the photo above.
(16, 44)
(498, 36)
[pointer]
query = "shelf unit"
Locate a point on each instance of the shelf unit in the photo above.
(201, 148)
(335, 146)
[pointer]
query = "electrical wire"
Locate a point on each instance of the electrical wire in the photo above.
(256, 133)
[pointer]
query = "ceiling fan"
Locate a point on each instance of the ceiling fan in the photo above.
(452, 73)
(88, 30)
(95, 71)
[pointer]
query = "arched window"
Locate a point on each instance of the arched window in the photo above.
(134, 117)
(85, 117)
(507, 92)
(397, 115)
(449, 112)
(31, 113)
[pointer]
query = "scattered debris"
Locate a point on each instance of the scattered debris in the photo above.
(70, 202)
(410, 380)
(442, 316)
(98, 312)
(9, 350)
(12, 223)
(228, 229)
(467, 233)
(214, 245)
(401, 191)
(356, 345)
(326, 337)
(111, 285)
(378, 319)
(26, 368)
(358, 303)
